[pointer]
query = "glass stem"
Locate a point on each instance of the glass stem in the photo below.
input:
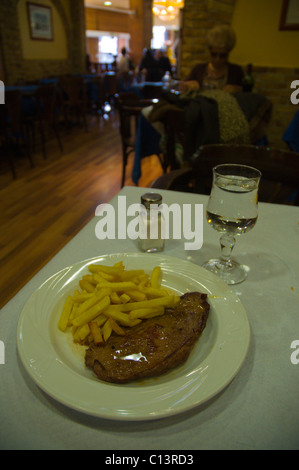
(227, 243)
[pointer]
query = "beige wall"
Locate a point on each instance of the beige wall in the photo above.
(260, 41)
(25, 59)
(56, 49)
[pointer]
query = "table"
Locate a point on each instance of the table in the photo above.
(92, 90)
(137, 88)
(24, 89)
(258, 410)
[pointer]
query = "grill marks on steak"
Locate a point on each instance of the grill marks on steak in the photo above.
(154, 346)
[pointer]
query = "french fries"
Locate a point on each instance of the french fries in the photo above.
(110, 300)
(96, 332)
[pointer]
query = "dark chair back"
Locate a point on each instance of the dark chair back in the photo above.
(73, 89)
(73, 98)
(111, 85)
(46, 98)
(13, 111)
(14, 131)
(129, 107)
(96, 94)
(48, 109)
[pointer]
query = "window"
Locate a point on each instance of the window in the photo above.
(158, 41)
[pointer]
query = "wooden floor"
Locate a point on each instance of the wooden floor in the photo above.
(45, 206)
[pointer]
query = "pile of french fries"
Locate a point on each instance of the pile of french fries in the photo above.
(112, 299)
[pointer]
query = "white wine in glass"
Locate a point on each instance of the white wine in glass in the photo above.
(232, 210)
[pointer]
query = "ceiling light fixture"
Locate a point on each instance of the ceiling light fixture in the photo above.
(167, 10)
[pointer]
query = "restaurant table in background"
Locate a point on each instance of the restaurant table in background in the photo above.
(259, 409)
(91, 87)
(49, 81)
(24, 89)
(28, 91)
(138, 88)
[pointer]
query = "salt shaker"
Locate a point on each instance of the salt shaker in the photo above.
(151, 239)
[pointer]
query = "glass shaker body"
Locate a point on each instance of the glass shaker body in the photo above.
(151, 221)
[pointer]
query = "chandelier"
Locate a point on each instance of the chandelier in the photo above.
(167, 10)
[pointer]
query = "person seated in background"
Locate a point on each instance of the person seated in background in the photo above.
(123, 63)
(163, 63)
(218, 73)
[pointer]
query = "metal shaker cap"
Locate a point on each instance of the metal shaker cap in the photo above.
(150, 198)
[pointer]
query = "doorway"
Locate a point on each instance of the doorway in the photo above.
(104, 47)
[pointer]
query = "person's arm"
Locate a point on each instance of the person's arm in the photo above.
(189, 85)
(194, 78)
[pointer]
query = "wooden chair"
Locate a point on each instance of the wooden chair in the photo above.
(129, 107)
(47, 114)
(96, 95)
(125, 80)
(73, 98)
(14, 131)
(111, 86)
(279, 168)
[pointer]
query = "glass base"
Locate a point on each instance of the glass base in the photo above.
(231, 273)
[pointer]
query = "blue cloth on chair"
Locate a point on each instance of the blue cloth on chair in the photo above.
(291, 134)
(147, 143)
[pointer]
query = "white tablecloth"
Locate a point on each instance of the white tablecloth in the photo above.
(258, 410)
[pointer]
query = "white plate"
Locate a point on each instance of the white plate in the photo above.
(57, 366)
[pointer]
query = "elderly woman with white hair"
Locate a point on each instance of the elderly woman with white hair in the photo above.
(218, 72)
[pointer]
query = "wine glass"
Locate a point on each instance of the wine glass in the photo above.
(232, 210)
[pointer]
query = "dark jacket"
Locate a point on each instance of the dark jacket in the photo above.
(164, 65)
(149, 63)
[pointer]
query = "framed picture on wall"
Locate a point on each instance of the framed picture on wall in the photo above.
(40, 22)
(289, 19)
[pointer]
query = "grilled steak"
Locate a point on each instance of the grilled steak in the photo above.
(154, 346)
